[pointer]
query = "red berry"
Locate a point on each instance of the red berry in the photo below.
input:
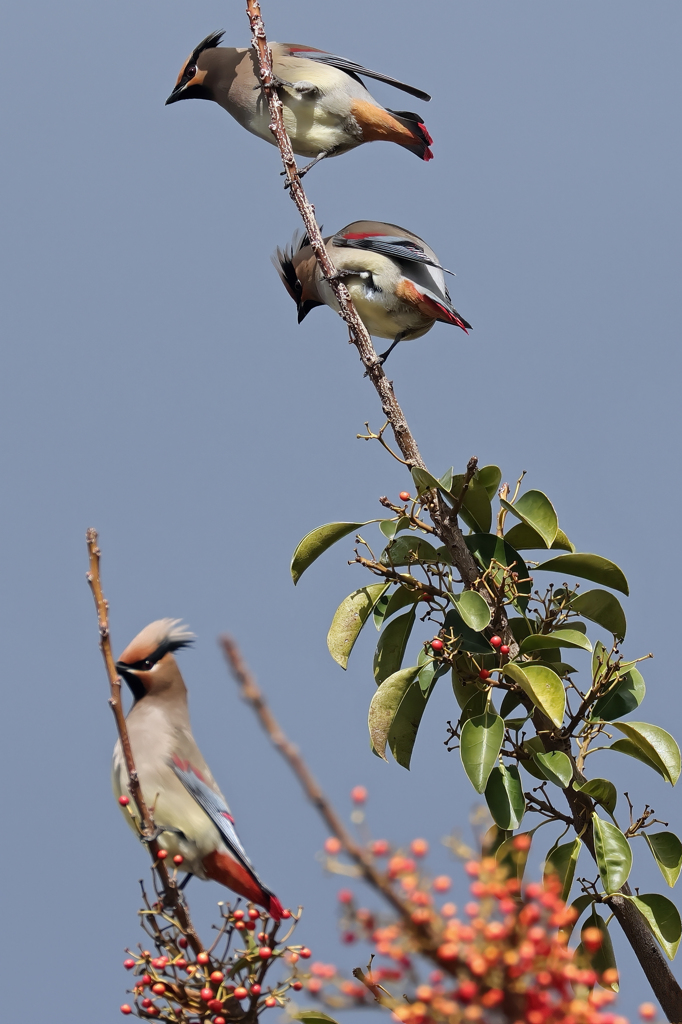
(404, 495)
(217, 976)
(332, 845)
(218, 1020)
(436, 644)
(496, 641)
(206, 994)
(262, 936)
(178, 859)
(297, 986)
(483, 674)
(348, 937)
(159, 988)
(240, 926)
(146, 1003)
(380, 848)
(358, 794)
(253, 913)
(162, 854)
(265, 952)
(126, 1009)
(215, 1005)
(128, 964)
(293, 958)
(305, 953)
(345, 896)
(240, 992)
(124, 801)
(286, 914)
(203, 958)
(153, 1011)
(504, 649)
(238, 915)
(251, 925)
(255, 990)
(271, 1001)
(426, 596)
(419, 847)
(181, 962)
(182, 942)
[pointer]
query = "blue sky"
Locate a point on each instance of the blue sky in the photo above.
(156, 385)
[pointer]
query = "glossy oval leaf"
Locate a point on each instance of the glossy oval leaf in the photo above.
(379, 612)
(475, 706)
(409, 549)
(560, 866)
(467, 639)
(405, 725)
(658, 746)
(476, 509)
(504, 797)
(588, 567)
(399, 599)
(559, 638)
(667, 851)
(601, 791)
(623, 697)
(524, 538)
(385, 704)
(556, 767)
(490, 478)
(603, 608)
(543, 687)
(480, 743)
(349, 618)
(535, 510)
(489, 549)
(390, 649)
(613, 854)
(312, 1017)
(425, 481)
(663, 919)
(604, 958)
(316, 543)
(473, 608)
(632, 750)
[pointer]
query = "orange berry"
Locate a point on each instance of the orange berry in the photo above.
(332, 845)
(647, 1011)
(217, 976)
(358, 794)
(419, 847)
(271, 1001)
(521, 842)
(592, 939)
(126, 1009)
(404, 495)
(240, 992)
(203, 958)
(442, 883)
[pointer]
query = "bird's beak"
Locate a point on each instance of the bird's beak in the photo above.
(124, 670)
(175, 95)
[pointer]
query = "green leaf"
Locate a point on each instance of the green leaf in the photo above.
(522, 537)
(475, 706)
(543, 687)
(561, 864)
(487, 548)
(559, 638)
(445, 481)
(510, 701)
(663, 919)
(385, 704)
(405, 724)
(463, 687)
(632, 750)
(504, 796)
(390, 651)
(467, 638)
(480, 744)
(623, 697)
(316, 542)
(603, 608)
(349, 618)
(401, 598)
(600, 790)
(380, 607)
(604, 958)
(489, 477)
(667, 851)
(656, 744)
(535, 510)
(507, 855)
(588, 567)
(424, 481)
(556, 767)
(476, 510)
(430, 670)
(473, 608)
(409, 549)
(312, 1017)
(613, 854)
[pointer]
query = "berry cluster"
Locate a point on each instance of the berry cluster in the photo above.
(227, 982)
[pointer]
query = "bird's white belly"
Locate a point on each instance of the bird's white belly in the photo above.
(382, 313)
(312, 128)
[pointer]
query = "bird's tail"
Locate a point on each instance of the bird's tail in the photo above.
(421, 140)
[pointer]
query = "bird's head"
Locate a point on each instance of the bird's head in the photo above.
(196, 78)
(147, 664)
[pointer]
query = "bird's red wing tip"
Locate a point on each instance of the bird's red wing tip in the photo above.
(275, 909)
(428, 155)
(429, 140)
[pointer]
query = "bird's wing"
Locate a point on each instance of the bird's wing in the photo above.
(430, 303)
(352, 68)
(214, 806)
(388, 245)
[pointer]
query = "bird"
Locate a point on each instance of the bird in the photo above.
(190, 813)
(395, 280)
(327, 110)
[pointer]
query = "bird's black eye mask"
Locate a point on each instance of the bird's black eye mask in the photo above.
(148, 663)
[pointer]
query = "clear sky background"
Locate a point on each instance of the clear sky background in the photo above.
(156, 385)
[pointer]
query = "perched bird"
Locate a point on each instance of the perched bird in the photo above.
(395, 280)
(177, 784)
(327, 109)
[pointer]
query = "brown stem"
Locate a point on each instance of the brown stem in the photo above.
(252, 694)
(172, 895)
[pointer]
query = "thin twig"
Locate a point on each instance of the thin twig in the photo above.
(172, 895)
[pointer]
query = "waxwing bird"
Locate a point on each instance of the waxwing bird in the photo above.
(395, 280)
(177, 784)
(327, 109)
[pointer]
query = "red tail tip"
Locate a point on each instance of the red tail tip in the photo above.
(426, 133)
(275, 909)
(428, 155)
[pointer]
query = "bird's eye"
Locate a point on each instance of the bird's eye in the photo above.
(190, 72)
(148, 664)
